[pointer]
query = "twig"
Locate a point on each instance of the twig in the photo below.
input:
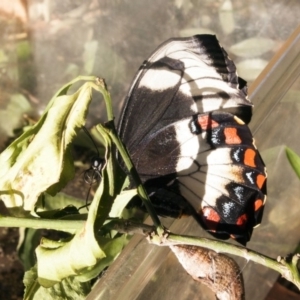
(39, 223)
(286, 266)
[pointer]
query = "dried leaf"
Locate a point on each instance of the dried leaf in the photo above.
(249, 69)
(226, 17)
(39, 159)
(253, 47)
(218, 271)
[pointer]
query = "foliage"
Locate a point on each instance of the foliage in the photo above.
(294, 160)
(38, 164)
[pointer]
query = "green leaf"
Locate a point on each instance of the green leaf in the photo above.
(40, 158)
(112, 181)
(59, 261)
(69, 288)
(80, 255)
(112, 248)
(58, 201)
(62, 213)
(294, 160)
(120, 203)
(28, 241)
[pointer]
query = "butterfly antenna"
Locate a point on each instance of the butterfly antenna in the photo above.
(90, 137)
(86, 200)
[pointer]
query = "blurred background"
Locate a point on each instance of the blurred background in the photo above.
(44, 44)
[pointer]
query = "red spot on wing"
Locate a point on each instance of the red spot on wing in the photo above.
(231, 136)
(242, 220)
(260, 179)
(258, 204)
(211, 218)
(206, 122)
(249, 158)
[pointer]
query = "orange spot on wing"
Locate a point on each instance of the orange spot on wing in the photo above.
(258, 204)
(260, 179)
(249, 158)
(206, 122)
(231, 137)
(242, 220)
(211, 218)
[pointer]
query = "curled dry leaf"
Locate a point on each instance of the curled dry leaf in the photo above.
(218, 271)
(39, 160)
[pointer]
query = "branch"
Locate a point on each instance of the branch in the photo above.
(286, 266)
(37, 223)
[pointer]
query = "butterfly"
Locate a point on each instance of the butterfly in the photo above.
(184, 123)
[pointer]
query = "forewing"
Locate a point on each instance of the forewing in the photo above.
(182, 77)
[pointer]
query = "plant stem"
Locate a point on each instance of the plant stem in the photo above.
(223, 247)
(36, 223)
(286, 267)
(135, 176)
(107, 99)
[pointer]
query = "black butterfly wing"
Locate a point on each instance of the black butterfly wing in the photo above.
(185, 82)
(182, 77)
